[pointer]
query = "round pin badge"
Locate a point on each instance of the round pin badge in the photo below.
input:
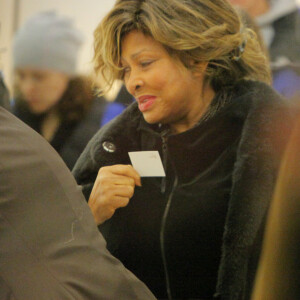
(109, 147)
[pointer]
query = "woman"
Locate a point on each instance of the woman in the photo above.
(194, 73)
(50, 96)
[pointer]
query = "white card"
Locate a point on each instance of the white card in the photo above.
(147, 163)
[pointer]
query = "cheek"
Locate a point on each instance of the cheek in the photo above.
(53, 97)
(55, 91)
(158, 81)
(22, 89)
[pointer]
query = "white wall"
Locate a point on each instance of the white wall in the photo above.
(6, 32)
(86, 14)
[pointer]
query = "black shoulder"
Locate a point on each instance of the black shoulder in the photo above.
(109, 146)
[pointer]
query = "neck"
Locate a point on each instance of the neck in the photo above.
(196, 112)
(50, 125)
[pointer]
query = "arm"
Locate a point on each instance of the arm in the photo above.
(265, 132)
(50, 247)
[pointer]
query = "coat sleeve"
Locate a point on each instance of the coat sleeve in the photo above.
(279, 268)
(109, 146)
(264, 137)
(101, 151)
(50, 247)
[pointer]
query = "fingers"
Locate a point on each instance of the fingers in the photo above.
(122, 170)
(113, 188)
(113, 179)
(110, 190)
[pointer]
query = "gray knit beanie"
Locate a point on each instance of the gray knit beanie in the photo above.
(48, 41)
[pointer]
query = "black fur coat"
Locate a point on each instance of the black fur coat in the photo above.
(265, 123)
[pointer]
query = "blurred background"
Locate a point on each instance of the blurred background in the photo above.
(86, 15)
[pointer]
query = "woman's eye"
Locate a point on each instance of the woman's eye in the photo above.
(38, 77)
(20, 76)
(146, 63)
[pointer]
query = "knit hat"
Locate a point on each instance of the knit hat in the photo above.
(48, 41)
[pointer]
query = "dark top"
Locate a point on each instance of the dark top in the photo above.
(199, 171)
(199, 230)
(70, 138)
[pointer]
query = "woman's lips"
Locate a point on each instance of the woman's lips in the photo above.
(145, 102)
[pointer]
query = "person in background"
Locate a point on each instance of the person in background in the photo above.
(204, 104)
(50, 247)
(50, 95)
(4, 95)
(279, 267)
(279, 23)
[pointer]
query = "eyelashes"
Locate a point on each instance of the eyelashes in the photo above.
(142, 65)
(146, 63)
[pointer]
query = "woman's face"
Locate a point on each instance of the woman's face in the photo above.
(165, 90)
(41, 89)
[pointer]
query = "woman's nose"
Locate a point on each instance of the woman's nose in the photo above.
(134, 82)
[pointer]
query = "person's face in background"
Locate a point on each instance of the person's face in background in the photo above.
(166, 91)
(41, 89)
(253, 7)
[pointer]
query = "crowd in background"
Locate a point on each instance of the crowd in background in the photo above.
(278, 24)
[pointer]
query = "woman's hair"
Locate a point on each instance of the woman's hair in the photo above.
(191, 31)
(249, 21)
(74, 103)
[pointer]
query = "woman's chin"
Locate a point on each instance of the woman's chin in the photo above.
(151, 118)
(36, 109)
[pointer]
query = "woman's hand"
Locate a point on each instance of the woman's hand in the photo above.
(113, 188)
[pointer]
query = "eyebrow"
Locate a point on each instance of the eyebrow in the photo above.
(134, 55)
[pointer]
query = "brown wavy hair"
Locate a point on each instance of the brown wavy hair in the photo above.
(75, 102)
(190, 30)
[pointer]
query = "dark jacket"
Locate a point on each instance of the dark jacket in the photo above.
(50, 247)
(285, 44)
(71, 137)
(286, 40)
(285, 55)
(279, 271)
(209, 211)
